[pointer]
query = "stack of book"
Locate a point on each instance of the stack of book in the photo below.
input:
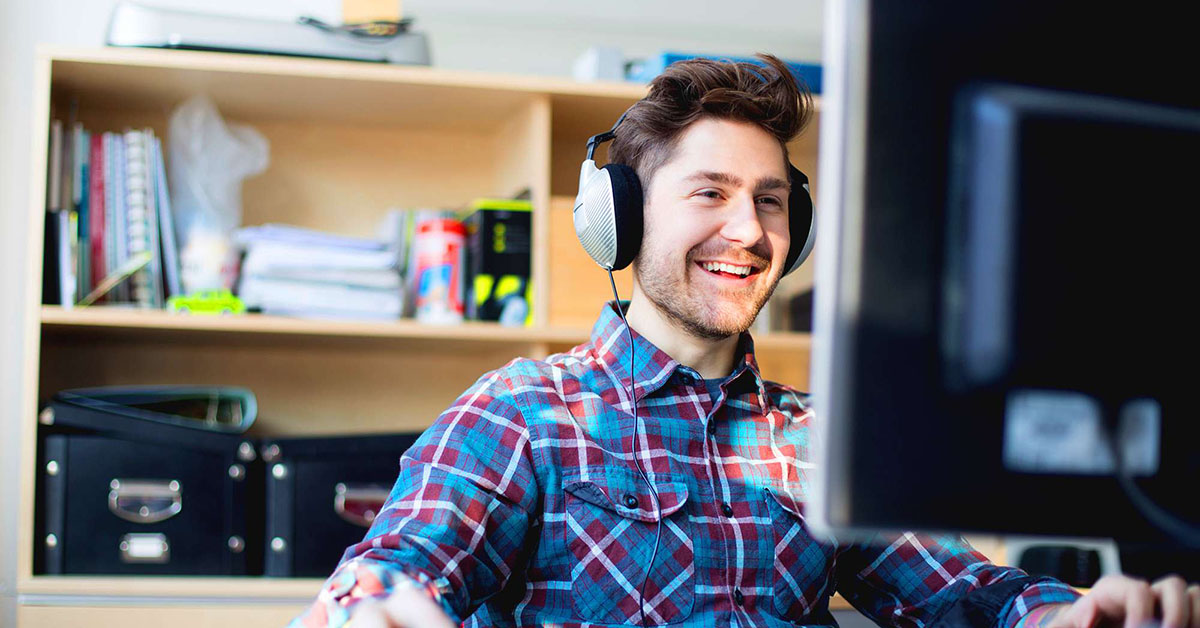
(292, 271)
(109, 229)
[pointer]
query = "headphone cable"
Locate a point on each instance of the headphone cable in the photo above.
(633, 449)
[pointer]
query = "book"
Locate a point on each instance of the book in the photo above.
(112, 258)
(54, 181)
(157, 298)
(58, 270)
(96, 211)
(81, 147)
(137, 216)
(166, 223)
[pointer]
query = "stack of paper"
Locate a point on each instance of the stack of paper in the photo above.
(292, 271)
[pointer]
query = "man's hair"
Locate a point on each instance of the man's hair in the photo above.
(766, 95)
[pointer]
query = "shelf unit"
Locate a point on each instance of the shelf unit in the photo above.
(348, 141)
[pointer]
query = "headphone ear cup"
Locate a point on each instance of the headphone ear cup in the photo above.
(627, 212)
(801, 221)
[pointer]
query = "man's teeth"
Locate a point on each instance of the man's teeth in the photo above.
(728, 268)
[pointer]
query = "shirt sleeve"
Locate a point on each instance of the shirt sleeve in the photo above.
(913, 579)
(455, 523)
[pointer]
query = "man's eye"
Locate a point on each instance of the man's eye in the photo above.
(770, 200)
(713, 194)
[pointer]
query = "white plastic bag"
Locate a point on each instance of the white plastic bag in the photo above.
(208, 161)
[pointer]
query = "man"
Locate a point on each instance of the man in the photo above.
(524, 504)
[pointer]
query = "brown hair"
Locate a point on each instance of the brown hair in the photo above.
(766, 95)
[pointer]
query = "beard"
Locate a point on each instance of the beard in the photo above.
(703, 312)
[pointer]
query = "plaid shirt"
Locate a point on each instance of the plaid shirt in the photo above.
(522, 506)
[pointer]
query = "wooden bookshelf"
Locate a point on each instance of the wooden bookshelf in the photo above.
(348, 142)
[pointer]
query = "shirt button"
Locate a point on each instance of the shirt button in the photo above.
(687, 380)
(738, 597)
(630, 501)
(711, 427)
(727, 509)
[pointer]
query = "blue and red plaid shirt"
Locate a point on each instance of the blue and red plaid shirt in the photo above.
(522, 506)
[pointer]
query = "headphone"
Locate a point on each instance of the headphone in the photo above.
(608, 211)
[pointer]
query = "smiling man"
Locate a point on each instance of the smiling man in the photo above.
(525, 503)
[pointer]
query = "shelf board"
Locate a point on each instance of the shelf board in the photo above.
(102, 319)
(331, 68)
(258, 87)
(119, 318)
(232, 588)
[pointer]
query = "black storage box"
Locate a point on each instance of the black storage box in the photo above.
(322, 495)
(121, 495)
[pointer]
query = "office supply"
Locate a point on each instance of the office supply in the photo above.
(134, 25)
(322, 494)
(226, 409)
(121, 494)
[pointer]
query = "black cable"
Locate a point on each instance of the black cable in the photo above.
(633, 448)
(1175, 527)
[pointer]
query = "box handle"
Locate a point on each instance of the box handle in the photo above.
(145, 501)
(359, 503)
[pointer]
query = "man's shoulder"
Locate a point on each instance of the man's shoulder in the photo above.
(787, 398)
(522, 373)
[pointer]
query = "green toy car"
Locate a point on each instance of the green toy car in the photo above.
(207, 302)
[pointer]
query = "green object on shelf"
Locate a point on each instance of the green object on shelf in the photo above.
(209, 302)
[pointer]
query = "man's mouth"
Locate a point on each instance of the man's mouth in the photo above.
(728, 270)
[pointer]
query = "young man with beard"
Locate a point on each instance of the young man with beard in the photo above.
(525, 503)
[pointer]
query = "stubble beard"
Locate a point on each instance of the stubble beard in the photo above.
(697, 314)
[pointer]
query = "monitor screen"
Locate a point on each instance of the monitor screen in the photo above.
(1004, 330)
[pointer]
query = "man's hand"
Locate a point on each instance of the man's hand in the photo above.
(1124, 601)
(404, 608)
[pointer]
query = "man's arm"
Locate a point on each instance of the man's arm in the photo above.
(917, 579)
(454, 524)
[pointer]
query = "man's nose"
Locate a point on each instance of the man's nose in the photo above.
(742, 223)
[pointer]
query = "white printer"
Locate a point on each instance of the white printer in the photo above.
(135, 25)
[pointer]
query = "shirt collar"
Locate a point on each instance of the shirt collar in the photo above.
(651, 366)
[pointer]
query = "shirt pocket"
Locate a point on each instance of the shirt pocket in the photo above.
(610, 530)
(803, 566)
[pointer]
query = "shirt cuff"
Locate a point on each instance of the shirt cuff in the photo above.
(1028, 606)
(361, 579)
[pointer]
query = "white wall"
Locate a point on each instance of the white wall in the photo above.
(524, 36)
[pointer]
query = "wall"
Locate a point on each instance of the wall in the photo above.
(523, 36)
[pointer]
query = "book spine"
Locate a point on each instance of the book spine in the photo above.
(166, 221)
(53, 181)
(96, 207)
(137, 232)
(154, 269)
(110, 208)
(120, 215)
(81, 148)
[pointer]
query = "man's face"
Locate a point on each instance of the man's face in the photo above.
(716, 228)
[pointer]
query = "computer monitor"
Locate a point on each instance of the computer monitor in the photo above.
(1005, 325)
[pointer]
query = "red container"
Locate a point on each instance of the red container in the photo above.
(438, 276)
